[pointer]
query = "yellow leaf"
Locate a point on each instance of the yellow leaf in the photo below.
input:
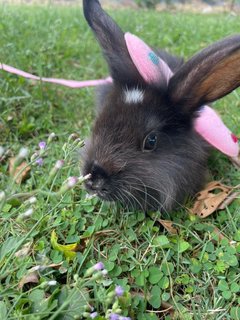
(69, 250)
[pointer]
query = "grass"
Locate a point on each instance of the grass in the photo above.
(189, 275)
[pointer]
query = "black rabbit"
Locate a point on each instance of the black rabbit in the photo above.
(144, 150)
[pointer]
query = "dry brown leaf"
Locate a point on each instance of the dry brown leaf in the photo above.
(168, 308)
(218, 233)
(24, 251)
(40, 268)
(168, 225)
(209, 199)
(55, 265)
(229, 200)
(21, 172)
(31, 277)
(6, 155)
(236, 161)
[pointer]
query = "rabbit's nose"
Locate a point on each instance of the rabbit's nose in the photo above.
(95, 185)
(98, 178)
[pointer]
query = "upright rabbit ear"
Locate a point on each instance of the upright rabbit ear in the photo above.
(151, 67)
(207, 76)
(131, 61)
(112, 41)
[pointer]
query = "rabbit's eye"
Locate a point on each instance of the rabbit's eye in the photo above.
(150, 142)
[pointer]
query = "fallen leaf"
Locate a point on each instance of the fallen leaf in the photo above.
(69, 250)
(229, 200)
(168, 225)
(168, 308)
(236, 161)
(6, 155)
(31, 277)
(21, 172)
(210, 199)
(24, 251)
(55, 265)
(40, 268)
(218, 233)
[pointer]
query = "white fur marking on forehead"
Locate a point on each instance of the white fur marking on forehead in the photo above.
(133, 96)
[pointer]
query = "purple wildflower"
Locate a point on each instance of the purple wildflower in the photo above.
(114, 316)
(124, 318)
(59, 164)
(42, 145)
(99, 266)
(119, 291)
(72, 181)
(93, 315)
(39, 162)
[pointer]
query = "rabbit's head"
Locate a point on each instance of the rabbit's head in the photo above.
(143, 150)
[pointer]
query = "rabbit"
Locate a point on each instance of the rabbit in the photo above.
(144, 151)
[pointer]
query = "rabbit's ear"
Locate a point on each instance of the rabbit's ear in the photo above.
(151, 67)
(207, 76)
(111, 39)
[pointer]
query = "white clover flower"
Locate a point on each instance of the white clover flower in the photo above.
(73, 136)
(2, 195)
(51, 137)
(104, 272)
(23, 153)
(84, 178)
(27, 213)
(52, 282)
(90, 196)
(32, 200)
(1, 151)
(34, 156)
(38, 268)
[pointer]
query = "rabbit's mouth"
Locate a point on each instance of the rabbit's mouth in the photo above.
(130, 199)
(118, 190)
(98, 188)
(104, 195)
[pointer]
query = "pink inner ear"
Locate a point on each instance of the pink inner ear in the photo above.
(210, 126)
(150, 66)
